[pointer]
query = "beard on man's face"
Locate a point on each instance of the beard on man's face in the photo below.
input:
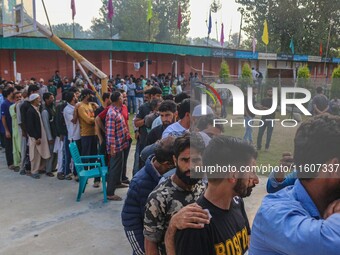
(184, 176)
(242, 190)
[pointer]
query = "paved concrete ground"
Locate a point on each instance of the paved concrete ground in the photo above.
(42, 216)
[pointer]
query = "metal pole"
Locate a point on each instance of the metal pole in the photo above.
(329, 37)
(147, 66)
(110, 64)
(15, 65)
(239, 34)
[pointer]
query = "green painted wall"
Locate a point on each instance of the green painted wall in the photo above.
(102, 45)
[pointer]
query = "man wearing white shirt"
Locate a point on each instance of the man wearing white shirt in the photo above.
(73, 127)
(180, 127)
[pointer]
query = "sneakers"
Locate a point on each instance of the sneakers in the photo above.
(22, 172)
(96, 184)
(11, 167)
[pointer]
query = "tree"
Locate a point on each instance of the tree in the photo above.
(303, 76)
(308, 23)
(233, 41)
(130, 21)
(65, 30)
(335, 89)
(168, 11)
(246, 76)
(224, 71)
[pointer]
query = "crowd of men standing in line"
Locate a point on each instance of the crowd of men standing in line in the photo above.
(166, 211)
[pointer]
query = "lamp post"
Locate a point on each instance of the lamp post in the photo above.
(241, 10)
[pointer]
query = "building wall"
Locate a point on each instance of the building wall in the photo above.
(43, 63)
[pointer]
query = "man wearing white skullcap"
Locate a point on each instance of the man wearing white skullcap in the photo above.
(38, 144)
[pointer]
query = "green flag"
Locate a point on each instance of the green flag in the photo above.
(149, 17)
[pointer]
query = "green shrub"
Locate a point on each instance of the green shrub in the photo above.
(224, 71)
(335, 89)
(303, 77)
(246, 76)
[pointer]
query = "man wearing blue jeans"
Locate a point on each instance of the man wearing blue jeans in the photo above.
(267, 121)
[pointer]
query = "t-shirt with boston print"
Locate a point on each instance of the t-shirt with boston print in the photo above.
(227, 233)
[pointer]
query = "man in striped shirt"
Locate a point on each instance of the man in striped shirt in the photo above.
(117, 140)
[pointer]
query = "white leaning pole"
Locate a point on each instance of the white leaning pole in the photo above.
(76, 56)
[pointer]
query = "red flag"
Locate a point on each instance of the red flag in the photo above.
(73, 7)
(320, 49)
(179, 17)
(222, 35)
(110, 10)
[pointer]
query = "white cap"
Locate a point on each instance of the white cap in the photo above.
(33, 97)
(197, 112)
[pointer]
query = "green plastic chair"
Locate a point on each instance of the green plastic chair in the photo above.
(100, 170)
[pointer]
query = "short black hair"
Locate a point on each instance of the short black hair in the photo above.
(319, 90)
(227, 150)
(31, 89)
(164, 149)
(47, 95)
(74, 89)
(180, 97)
(183, 108)
(155, 91)
(186, 141)
(317, 140)
(154, 103)
(69, 96)
(186, 107)
(105, 95)
(168, 97)
(206, 120)
(115, 96)
(168, 105)
(6, 92)
(86, 92)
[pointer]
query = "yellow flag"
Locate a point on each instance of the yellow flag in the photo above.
(265, 37)
(148, 18)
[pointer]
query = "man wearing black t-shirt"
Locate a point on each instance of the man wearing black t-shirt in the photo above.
(228, 231)
(268, 120)
(145, 109)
